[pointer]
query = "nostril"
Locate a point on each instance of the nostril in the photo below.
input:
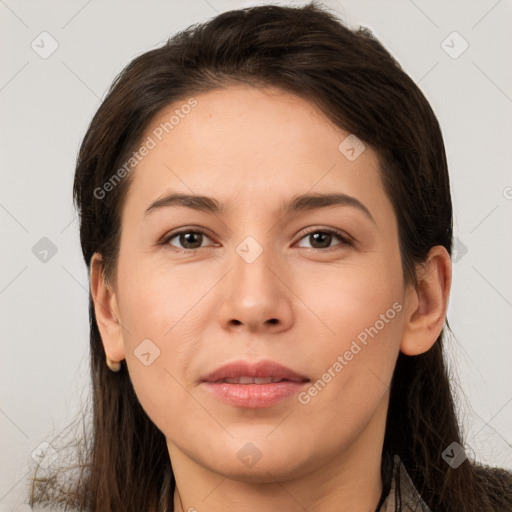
(272, 321)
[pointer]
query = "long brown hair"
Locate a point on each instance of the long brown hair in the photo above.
(124, 463)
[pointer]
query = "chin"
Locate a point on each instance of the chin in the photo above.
(261, 461)
(262, 472)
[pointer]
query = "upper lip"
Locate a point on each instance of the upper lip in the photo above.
(260, 369)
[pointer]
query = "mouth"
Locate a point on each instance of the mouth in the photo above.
(261, 372)
(252, 380)
(254, 385)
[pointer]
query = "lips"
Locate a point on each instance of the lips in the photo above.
(254, 385)
(252, 380)
(262, 372)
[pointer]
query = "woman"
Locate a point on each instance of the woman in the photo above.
(266, 218)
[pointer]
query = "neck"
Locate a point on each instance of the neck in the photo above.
(346, 481)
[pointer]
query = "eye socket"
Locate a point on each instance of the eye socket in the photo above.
(322, 238)
(190, 239)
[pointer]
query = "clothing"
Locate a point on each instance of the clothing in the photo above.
(411, 500)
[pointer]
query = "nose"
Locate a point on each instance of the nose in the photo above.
(255, 297)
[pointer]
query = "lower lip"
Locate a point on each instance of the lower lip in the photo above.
(254, 396)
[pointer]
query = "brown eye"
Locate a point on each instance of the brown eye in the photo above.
(324, 239)
(188, 240)
(320, 240)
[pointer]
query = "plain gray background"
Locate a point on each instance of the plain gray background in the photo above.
(47, 103)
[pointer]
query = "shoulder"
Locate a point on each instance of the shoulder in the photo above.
(403, 491)
(493, 485)
(496, 484)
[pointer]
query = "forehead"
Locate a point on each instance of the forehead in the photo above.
(252, 146)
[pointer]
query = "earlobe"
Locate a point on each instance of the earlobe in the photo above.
(106, 311)
(427, 303)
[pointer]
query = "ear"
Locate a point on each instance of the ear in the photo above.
(427, 303)
(106, 311)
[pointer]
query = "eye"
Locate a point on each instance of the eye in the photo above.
(319, 239)
(187, 239)
(322, 239)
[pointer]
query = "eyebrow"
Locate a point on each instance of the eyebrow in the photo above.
(305, 202)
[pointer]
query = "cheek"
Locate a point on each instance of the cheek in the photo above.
(163, 316)
(359, 327)
(349, 299)
(157, 301)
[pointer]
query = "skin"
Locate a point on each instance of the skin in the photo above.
(254, 150)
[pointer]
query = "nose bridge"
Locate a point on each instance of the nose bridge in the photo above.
(251, 278)
(253, 296)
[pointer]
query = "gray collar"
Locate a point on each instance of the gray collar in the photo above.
(411, 500)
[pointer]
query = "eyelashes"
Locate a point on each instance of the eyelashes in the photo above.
(192, 240)
(183, 237)
(331, 234)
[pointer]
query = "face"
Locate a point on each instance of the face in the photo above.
(290, 274)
